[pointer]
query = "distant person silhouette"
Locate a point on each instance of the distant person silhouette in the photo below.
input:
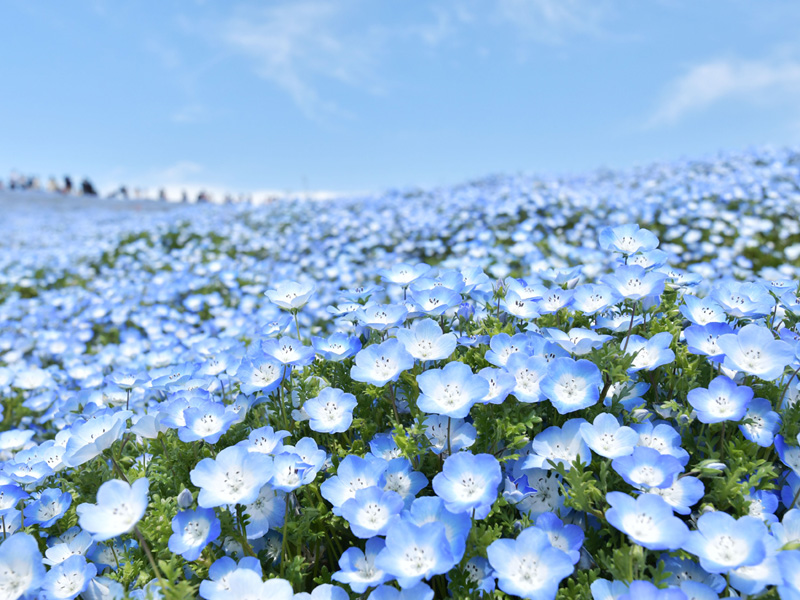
(67, 185)
(87, 189)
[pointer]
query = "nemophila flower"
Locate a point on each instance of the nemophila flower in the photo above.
(451, 391)
(306, 448)
(425, 340)
(381, 363)
(616, 322)
(634, 283)
(103, 588)
(682, 570)
(763, 505)
(761, 423)
(436, 301)
(517, 306)
(11, 521)
(383, 446)
(593, 298)
(354, 473)
(235, 476)
(371, 511)
(501, 383)
(326, 591)
(702, 311)
(651, 259)
(89, 438)
(577, 341)
(603, 589)
(400, 477)
(289, 351)
(789, 563)
(265, 440)
(68, 579)
(431, 509)
(567, 538)
(723, 543)
(528, 373)
(267, 512)
(290, 471)
(790, 490)
(260, 374)
(703, 340)
(627, 239)
(647, 520)
(192, 531)
(10, 495)
(743, 299)
(48, 508)
(650, 353)
(502, 346)
(247, 585)
(571, 385)
(662, 437)
(722, 401)
(21, 568)
(789, 454)
(559, 445)
(290, 295)
(647, 468)
(421, 591)
(414, 553)
(361, 292)
(220, 571)
(357, 568)
(645, 590)
(381, 317)
(684, 493)
(529, 567)
(119, 507)
(448, 435)
(468, 483)
(331, 411)
(754, 350)
(404, 274)
(554, 299)
(337, 347)
(206, 421)
(276, 326)
(606, 437)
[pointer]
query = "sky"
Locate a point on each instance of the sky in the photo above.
(365, 95)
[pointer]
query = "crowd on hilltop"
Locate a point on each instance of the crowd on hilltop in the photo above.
(20, 182)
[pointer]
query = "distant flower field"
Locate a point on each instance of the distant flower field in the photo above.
(571, 388)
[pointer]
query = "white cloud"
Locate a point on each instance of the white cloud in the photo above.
(552, 21)
(293, 44)
(709, 83)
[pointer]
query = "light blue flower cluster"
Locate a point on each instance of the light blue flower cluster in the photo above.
(538, 396)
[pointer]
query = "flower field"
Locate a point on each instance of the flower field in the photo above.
(519, 387)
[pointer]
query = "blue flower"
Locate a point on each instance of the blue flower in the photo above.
(593, 298)
(48, 508)
(421, 591)
(290, 471)
(425, 340)
(606, 437)
(468, 483)
(119, 507)
(235, 476)
(431, 509)
(404, 274)
(331, 411)
(401, 478)
(703, 340)
(447, 435)
(354, 473)
(337, 347)
(644, 590)
(21, 568)
(358, 570)
(221, 570)
(684, 493)
(207, 421)
(414, 553)
(436, 301)
(502, 346)
(260, 374)
(529, 567)
(193, 530)
(381, 363)
(722, 401)
(288, 351)
(755, 351)
(451, 391)
(290, 295)
(578, 341)
(68, 579)
(761, 423)
(267, 512)
(742, 299)
(723, 543)
(571, 385)
(627, 239)
(650, 353)
(702, 311)
(265, 440)
(528, 372)
(559, 445)
(647, 468)
(501, 383)
(634, 283)
(567, 538)
(520, 307)
(371, 511)
(647, 520)
(381, 317)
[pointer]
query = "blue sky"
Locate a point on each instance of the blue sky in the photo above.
(370, 94)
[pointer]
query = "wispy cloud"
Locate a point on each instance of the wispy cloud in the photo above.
(554, 21)
(709, 83)
(293, 44)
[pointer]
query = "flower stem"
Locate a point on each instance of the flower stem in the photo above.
(630, 327)
(146, 548)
